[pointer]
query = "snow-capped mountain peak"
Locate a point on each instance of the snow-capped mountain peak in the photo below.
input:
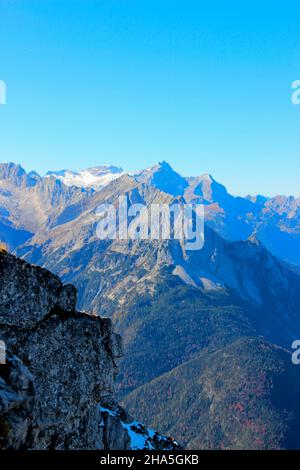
(95, 177)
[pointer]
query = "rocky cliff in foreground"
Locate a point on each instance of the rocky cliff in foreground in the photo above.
(56, 387)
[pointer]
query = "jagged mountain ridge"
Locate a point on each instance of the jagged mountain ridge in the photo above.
(220, 264)
(107, 273)
(274, 221)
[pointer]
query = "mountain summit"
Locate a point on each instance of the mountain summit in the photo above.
(164, 178)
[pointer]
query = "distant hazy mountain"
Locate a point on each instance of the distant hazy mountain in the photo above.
(173, 306)
(274, 221)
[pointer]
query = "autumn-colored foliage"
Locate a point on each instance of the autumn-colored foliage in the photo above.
(3, 247)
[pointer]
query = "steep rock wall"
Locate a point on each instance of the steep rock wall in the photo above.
(56, 387)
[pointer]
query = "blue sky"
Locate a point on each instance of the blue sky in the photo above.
(205, 85)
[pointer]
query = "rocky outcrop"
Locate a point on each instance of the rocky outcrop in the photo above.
(56, 387)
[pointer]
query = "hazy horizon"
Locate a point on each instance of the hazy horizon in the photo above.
(136, 170)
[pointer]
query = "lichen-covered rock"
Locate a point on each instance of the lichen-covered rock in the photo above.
(28, 294)
(16, 402)
(60, 367)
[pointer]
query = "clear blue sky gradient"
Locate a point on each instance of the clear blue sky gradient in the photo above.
(205, 85)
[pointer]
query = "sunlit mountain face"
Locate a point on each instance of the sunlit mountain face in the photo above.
(275, 221)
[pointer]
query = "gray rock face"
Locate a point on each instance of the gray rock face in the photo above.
(24, 286)
(56, 388)
(16, 402)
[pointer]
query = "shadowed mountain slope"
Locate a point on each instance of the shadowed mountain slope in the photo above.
(242, 396)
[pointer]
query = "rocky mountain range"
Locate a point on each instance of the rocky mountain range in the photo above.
(275, 221)
(95, 178)
(190, 320)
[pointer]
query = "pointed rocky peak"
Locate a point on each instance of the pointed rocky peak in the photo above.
(16, 174)
(32, 178)
(207, 188)
(163, 177)
(254, 240)
(11, 170)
